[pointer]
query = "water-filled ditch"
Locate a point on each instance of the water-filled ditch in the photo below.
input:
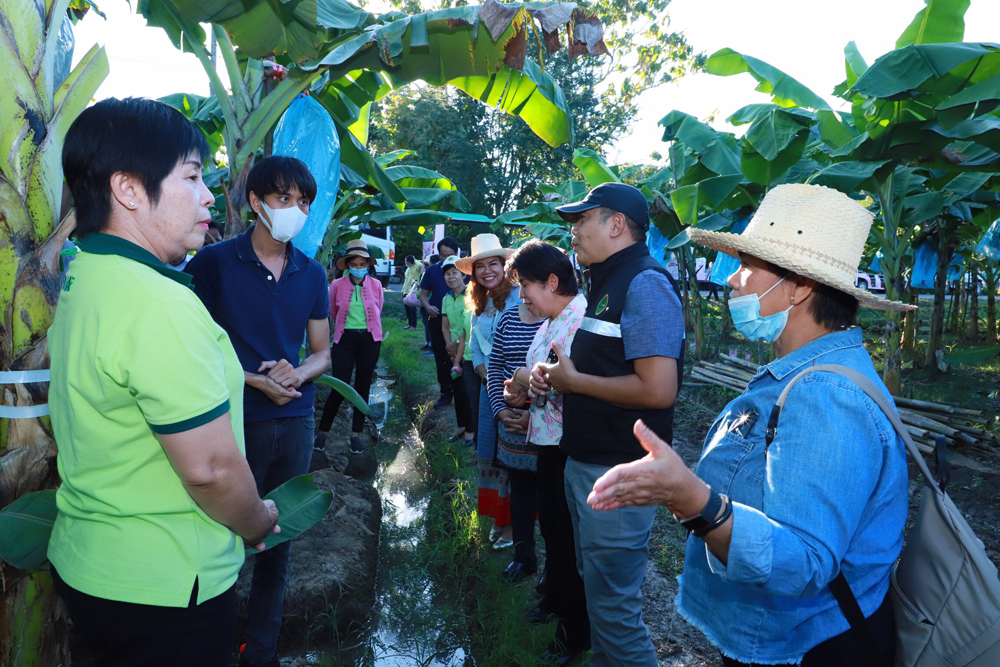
(417, 620)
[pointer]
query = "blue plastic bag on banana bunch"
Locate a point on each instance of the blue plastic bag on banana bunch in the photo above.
(307, 132)
(990, 243)
(924, 267)
(726, 265)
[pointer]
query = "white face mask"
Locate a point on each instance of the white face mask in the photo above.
(285, 223)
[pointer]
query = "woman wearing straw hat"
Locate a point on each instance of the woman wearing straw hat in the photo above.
(356, 311)
(489, 294)
(774, 524)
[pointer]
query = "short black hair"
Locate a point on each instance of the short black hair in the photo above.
(434, 259)
(536, 260)
(637, 231)
(446, 269)
(409, 258)
(448, 241)
(276, 174)
(137, 136)
(829, 307)
(833, 308)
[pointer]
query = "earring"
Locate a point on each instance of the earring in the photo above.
(131, 204)
(792, 299)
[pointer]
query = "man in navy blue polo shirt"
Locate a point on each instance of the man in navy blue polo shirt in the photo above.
(433, 289)
(269, 296)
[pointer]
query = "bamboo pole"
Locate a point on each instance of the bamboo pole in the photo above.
(707, 376)
(935, 407)
(739, 362)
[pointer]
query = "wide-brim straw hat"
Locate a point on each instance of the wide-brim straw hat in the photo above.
(355, 248)
(483, 246)
(811, 230)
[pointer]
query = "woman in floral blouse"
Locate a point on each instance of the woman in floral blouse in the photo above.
(549, 289)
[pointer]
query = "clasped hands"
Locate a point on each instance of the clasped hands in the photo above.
(282, 381)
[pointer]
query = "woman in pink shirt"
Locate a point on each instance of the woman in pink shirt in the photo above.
(356, 312)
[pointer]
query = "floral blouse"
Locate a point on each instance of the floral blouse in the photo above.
(545, 426)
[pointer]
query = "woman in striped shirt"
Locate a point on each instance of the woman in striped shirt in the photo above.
(515, 331)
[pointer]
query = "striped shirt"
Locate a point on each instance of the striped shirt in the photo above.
(510, 352)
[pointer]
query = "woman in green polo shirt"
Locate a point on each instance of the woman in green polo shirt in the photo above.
(157, 501)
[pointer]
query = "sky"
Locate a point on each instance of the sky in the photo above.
(803, 38)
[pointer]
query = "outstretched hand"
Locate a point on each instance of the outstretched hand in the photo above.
(659, 478)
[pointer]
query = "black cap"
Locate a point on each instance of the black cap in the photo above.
(619, 197)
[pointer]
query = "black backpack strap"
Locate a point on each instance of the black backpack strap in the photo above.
(855, 617)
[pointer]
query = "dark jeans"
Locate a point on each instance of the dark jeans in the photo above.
(844, 650)
(442, 361)
(356, 349)
(464, 416)
(427, 332)
(523, 509)
(277, 450)
(123, 634)
(565, 596)
(473, 385)
(411, 315)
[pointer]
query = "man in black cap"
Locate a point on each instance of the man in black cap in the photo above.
(625, 365)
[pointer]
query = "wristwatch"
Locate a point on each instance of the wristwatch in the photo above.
(709, 518)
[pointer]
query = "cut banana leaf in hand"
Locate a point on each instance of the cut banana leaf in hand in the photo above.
(345, 390)
(300, 507)
(25, 527)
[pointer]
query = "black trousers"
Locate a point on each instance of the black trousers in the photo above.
(523, 510)
(844, 650)
(123, 634)
(565, 596)
(473, 383)
(442, 361)
(356, 352)
(464, 416)
(411, 315)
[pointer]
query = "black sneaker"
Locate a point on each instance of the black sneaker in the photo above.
(319, 444)
(442, 402)
(356, 446)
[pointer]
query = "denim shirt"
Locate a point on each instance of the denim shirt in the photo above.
(486, 326)
(830, 494)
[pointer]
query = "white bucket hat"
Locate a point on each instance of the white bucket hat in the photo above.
(811, 230)
(483, 246)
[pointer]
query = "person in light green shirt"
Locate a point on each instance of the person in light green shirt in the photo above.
(456, 324)
(411, 283)
(157, 502)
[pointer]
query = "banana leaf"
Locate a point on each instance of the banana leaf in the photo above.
(300, 507)
(345, 390)
(940, 21)
(593, 167)
(784, 90)
(846, 176)
(974, 356)
(25, 527)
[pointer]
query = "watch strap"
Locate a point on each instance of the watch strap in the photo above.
(707, 515)
(726, 513)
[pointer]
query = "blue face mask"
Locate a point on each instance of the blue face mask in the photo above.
(745, 311)
(359, 273)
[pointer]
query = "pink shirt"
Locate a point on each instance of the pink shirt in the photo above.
(341, 290)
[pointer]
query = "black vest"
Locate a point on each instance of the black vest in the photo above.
(594, 431)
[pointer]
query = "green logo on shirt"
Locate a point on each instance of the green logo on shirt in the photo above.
(69, 283)
(602, 305)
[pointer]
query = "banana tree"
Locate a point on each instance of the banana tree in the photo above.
(39, 109)
(924, 106)
(350, 58)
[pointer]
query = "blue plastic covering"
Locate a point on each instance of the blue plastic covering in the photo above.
(657, 244)
(924, 267)
(725, 265)
(876, 265)
(307, 132)
(956, 267)
(990, 244)
(65, 43)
